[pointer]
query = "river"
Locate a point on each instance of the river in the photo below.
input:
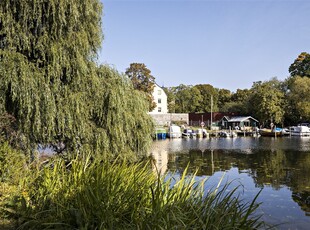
(280, 167)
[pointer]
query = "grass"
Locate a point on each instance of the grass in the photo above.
(88, 193)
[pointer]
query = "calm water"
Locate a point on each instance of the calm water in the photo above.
(280, 167)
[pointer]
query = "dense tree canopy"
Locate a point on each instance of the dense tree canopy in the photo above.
(224, 96)
(50, 83)
(239, 102)
(142, 80)
(267, 101)
(301, 66)
(188, 99)
(209, 97)
(300, 98)
(170, 98)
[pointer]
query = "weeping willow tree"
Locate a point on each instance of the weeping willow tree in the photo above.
(50, 83)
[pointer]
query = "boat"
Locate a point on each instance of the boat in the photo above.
(160, 134)
(202, 133)
(174, 131)
(188, 133)
(278, 132)
(286, 131)
(227, 134)
(299, 130)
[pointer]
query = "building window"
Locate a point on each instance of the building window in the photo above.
(159, 101)
(159, 109)
(159, 92)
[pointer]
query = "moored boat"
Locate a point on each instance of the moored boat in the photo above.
(174, 131)
(299, 130)
(160, 133)
(202, 133)
(227, 134)
(188, 133)
(271, 132)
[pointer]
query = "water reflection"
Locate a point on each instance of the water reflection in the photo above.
(280, 166)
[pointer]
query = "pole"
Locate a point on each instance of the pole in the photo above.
(275, 131)
(211, 111)
(212, 162)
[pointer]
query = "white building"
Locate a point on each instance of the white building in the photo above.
(160, 98)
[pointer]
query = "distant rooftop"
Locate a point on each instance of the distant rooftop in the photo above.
(240, 118)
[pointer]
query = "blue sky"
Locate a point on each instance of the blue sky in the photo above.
(226, 43)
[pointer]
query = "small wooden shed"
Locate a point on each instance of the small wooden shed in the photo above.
(240, 122)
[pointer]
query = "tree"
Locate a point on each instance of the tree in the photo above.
(239, 102)
(207, 91)
(268, 101)
(195, 100)
(142, 80)
(51, 85)
(234, 107)
(182, 98)
(301, 65)
(187, 99)
(299, 98)
(241, 95)
(170, 98)
(224, 98)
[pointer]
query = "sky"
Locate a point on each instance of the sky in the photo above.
(228, 44)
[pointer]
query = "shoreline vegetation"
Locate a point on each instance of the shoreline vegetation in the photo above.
(96, 193)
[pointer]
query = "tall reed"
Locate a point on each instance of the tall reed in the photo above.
(99, 194)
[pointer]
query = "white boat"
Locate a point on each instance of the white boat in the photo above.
(202, 133)
(299, 130)
(227, 134)
(174, 131)
(188, 133)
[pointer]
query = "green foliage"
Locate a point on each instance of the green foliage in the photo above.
(267, 100)
(95, 194)
(61, 35)
(120, 115)
(12, 163)
(196, 98)
(45, 67)
(187, 99)
(298, 90)
(51, 85)
(13, 170)
(299, 97)
(241, 95)
(8, 130)
(301, 65)
(142, 80)
(236, 107)
(206, 92)
(224, 96)
(170, 99)
(234, 102)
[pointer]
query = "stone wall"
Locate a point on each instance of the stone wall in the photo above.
(168, 118)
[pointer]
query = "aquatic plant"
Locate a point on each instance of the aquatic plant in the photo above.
(88, 193)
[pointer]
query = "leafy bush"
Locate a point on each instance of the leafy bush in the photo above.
(13, 171)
